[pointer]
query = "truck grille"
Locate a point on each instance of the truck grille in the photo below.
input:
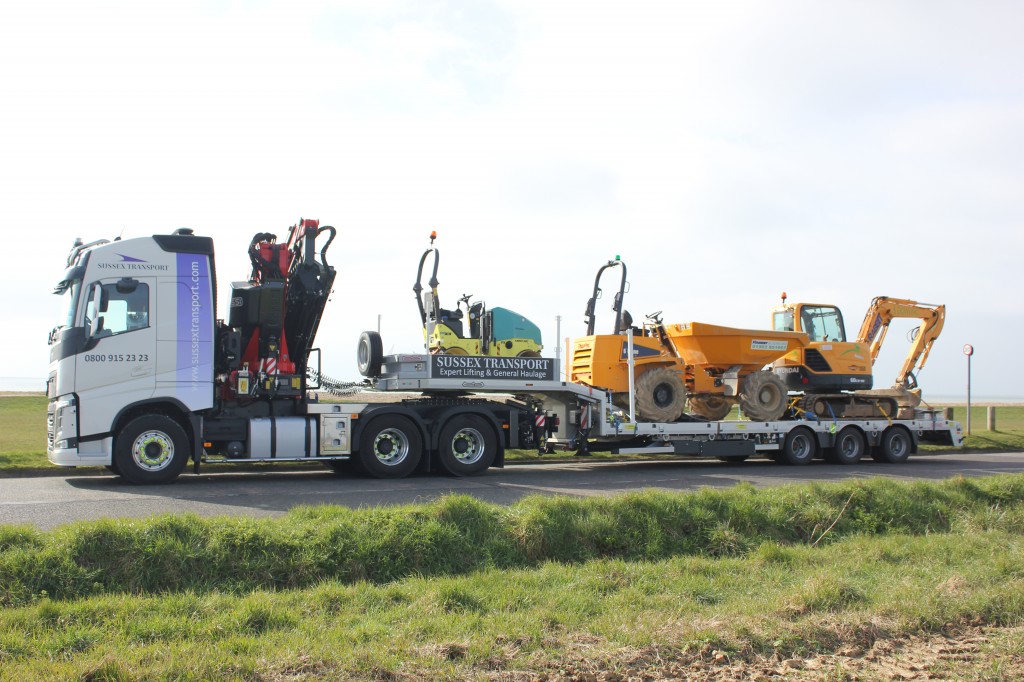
(815, 361)
(49, 430)
(582, 360)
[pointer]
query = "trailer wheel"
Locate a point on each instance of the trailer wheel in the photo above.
(150, 449)
(711, 408)
(467, 446)
(370, 354)
(390, 447)
(763, 396)
(660, 395)
(848, 447)
(798, 448)
(895, 446)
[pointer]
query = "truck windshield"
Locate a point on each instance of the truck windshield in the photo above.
(69, 291)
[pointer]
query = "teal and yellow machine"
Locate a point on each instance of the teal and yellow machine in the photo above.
(470, 328)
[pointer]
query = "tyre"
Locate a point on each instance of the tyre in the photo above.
(151, 449)
(467, 445)
(528, 354)
(798, 448)
(763, 396)
(660, 395)
(390, 447)
(895, 446)
(711, 408)
(370, 354)
(848, 447)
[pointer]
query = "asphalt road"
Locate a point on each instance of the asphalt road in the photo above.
(47, 502)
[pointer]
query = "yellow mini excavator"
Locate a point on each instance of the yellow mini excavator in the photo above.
(836, 375)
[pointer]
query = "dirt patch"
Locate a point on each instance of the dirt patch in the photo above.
(968, 654)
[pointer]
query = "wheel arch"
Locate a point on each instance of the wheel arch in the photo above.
(374, 412)
(865, 435)
(915, 435)
(168, 407)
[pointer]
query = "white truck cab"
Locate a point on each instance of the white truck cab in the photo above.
(138, 336)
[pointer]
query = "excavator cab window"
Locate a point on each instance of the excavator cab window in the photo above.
(822, 323)
(782, 321)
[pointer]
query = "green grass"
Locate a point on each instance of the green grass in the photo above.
(1008, 434)
(23, 432)
(460, 534)
(463, 590)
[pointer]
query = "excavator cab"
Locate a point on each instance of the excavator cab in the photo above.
(829, 362)
(820, 322)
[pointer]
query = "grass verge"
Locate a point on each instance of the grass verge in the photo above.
(459, 534)
(648, 584)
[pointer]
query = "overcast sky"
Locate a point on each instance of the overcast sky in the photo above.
(726, 150)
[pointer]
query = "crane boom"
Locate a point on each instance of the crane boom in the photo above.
(883, 311)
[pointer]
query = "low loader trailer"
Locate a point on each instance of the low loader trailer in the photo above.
(145, 378)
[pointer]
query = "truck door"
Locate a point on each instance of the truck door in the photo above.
(118, 364)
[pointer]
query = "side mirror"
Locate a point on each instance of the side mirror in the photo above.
(95, 324)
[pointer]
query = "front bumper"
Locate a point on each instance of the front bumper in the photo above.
(63, 446)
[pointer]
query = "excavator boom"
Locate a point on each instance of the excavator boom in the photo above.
(883, 311)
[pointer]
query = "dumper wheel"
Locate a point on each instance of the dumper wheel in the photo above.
(763, 396)
(711, 408)
(528, 354)
(660, 395)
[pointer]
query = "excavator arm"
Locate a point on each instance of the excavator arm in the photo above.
(883, 311)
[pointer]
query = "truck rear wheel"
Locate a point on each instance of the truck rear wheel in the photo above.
(390, 447)
(467, 446)
(151, 449)
(798, 448)
(763, 396)
(660, 395)
(848, 448)
(895, 446)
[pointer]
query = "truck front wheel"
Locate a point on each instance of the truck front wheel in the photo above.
(151, 449)
(390, 447)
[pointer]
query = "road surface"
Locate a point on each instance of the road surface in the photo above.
(50, 501)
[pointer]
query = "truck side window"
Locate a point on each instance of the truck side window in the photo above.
(121, 308)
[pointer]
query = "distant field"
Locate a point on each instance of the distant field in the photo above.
(23, 432)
